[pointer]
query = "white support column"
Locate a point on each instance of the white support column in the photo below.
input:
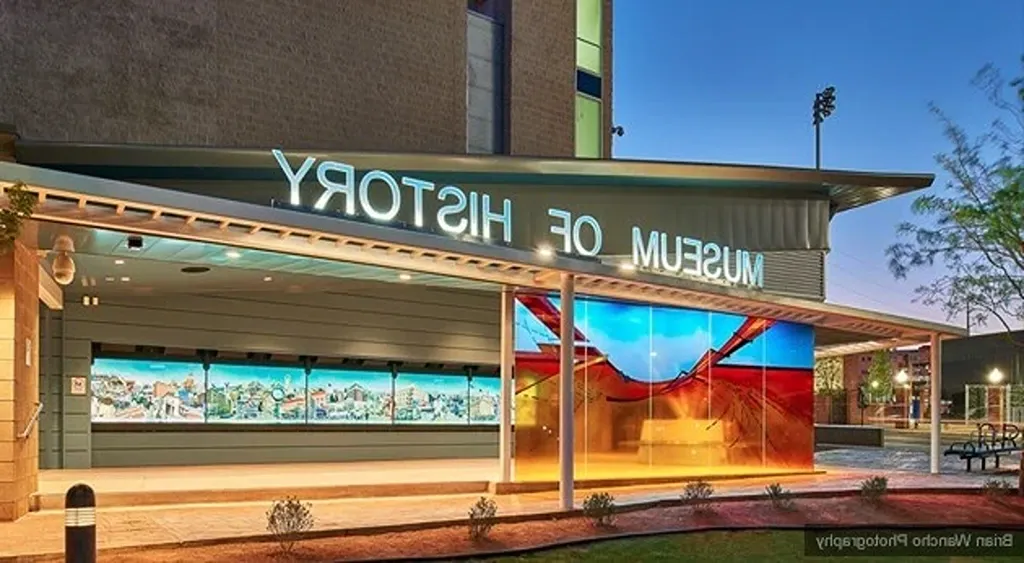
(566, 434)
(936, 400)
(508, 334)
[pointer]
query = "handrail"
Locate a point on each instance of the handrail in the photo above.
(31, 422)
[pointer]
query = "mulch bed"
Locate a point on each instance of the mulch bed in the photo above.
(905, 509)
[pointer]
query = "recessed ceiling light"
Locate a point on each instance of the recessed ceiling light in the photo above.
(627, 267)
(404, 277)
(109, 278)
(268, 279)
(195, 270)
(125, 279)
(118, 262)
(233, 254)
(545, 252)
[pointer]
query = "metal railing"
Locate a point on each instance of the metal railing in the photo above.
(31, 422)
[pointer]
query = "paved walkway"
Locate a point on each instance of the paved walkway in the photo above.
(42, 532)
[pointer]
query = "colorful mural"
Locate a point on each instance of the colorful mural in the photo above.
(664, 389)
(143, 390)
(147, 391)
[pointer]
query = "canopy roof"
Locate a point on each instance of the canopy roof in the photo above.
(846, 189)
(121, 206)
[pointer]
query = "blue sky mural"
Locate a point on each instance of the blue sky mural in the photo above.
(433, 384)
(147, 371)
(376, 381)
(653, 343)
(290, 378)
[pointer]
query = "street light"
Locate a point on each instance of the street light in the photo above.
(995, 377)
(824, 105)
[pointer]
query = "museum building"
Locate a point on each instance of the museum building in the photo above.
(418, 286)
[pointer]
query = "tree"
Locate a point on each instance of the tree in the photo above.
(828, 376)
(879, 379)
(974, 228)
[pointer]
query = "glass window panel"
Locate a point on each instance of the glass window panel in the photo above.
(431, 399)
(350, 396)
(131, 390)
(588, 56)
(588, 127)
(484, 400)
(657, 394)
(241, 393)
(588, 20)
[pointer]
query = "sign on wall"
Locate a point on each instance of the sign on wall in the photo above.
(381, 197)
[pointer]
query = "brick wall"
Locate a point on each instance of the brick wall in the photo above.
(360, 74)
(372, 75)
(542, 85)
(19, 379)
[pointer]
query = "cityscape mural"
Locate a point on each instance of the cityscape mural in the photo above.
(144, 390)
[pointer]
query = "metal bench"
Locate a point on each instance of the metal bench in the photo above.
(988, 442)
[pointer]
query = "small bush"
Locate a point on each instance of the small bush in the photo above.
(287, 519)
(874, 489)
(996, 488)
(481, 518)
(600, 508)
(697, 495)
(781, 498)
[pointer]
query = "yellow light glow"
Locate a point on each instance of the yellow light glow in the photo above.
(995, 377)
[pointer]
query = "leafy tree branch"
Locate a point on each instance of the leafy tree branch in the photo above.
(973, 231)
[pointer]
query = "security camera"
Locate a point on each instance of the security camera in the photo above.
(63, 268)
(135, 242)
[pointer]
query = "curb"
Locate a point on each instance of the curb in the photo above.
(510, 519)
(521, 551)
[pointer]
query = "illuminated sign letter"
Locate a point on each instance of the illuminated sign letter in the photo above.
(736, 263)
(418, 187)
(347, 187)
(294, 178)
(562, 229)
(673, 266)
(696, 256)
(712, 261)
(577, 240)
(645, 258)
(364, 196)
(451, 209)
(505, 218)
(753, 272)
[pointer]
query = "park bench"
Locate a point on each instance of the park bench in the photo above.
(988, 442)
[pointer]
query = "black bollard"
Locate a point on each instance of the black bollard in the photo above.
(80, 525)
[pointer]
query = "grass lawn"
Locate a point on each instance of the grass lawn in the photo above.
(717, 547)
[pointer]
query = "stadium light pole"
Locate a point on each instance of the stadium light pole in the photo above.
(824, 105)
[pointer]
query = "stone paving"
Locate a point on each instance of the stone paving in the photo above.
(42, 532)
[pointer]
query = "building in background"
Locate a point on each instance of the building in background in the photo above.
(529, 77)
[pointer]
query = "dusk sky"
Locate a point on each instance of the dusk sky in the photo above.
(733, 81)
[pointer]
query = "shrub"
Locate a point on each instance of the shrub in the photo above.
(874, 489)
(781, 498)
(996, 488)
(698, 495)
(600, 508)
(287, 519)
(481, 518)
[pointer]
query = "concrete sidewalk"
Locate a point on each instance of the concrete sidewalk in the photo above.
(42, 533)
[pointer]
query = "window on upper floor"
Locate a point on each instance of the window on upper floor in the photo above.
(485, 77)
